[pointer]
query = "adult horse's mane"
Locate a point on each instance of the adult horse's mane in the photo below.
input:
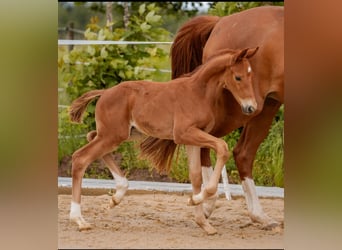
(186, 62)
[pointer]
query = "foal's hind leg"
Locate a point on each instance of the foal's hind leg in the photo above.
(121, 183)
(80, 160)
(195, 177)
(207, 171)
(244, 153)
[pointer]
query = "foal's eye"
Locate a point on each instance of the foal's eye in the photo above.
(237, 78)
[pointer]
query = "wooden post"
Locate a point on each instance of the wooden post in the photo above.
(70, 34)
(109, 14)
(126, 14)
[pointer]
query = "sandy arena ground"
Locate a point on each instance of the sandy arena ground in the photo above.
(158, 220)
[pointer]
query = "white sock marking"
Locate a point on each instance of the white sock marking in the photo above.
(252, 200)
(75, 210)
(121, 186)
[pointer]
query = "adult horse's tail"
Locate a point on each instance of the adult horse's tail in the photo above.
(159, 152)
(187, 48)
(78, 106)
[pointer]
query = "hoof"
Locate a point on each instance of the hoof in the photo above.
(85, 226)
(195, 199)
(212, 231)
(209, 206)
(191, 202)
(266, 222)
(209, 229)
(270, 226)
(113, 203)
(82, 224)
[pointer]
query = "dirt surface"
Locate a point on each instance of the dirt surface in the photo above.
(157, 220)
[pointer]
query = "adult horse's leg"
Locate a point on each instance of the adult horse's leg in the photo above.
(121, 183)
(244, 154)
(80, 160)
(207, 171)
(194, 163)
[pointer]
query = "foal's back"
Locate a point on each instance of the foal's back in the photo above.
(146, 105)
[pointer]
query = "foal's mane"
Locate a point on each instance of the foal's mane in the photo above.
(213, 60)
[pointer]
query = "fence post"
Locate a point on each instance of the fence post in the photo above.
(70, 34)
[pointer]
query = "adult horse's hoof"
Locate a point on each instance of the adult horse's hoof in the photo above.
(270, 225)
(266, 222)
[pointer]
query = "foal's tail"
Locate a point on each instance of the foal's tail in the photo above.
(79, 105)
(187, 48)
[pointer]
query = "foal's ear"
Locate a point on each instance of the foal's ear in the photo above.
(245, 53)
(251, 52)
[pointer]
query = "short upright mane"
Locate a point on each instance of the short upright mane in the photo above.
(215, 64)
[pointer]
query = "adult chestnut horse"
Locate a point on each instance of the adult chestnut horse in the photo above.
(180, 111)
(203, 36)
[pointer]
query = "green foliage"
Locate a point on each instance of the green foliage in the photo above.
(70, 136)
(179, 169)
(268, 167)
(228, 8)
(130, 156)
(97, 67)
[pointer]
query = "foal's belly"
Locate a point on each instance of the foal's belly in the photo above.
(154, 127)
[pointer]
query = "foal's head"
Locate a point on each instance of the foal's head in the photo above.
(237, 78)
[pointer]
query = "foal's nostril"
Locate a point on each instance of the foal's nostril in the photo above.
(248, 109)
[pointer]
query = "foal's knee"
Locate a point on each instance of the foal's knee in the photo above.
(222, 151)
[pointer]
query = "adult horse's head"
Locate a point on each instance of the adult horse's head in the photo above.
(237, 78)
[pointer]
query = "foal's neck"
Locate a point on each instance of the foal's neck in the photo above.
(208, 75)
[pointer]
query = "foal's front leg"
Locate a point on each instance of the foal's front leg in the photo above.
(197, 137)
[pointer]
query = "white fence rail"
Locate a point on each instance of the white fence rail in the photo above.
(105, 42)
